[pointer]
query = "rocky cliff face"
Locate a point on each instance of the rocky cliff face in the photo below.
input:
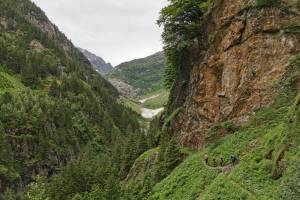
(237, 66)
(97, 62)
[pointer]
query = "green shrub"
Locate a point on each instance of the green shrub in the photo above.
(291, 181)
(182, 23)
(263, 3)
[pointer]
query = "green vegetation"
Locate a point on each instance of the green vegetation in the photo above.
(146, 155)
(168, 158)
(267, 147)
(151, 167)
(160, 100)
(63, 133)
(185, 181)
(182, 23)
(292, 28)
(170, 118)
(9, 83)
(262, 3)
(259, 146)
(135, 106)
(145, 74)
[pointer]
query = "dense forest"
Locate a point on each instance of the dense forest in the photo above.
(61, 124)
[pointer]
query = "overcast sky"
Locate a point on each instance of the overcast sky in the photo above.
(116, 30)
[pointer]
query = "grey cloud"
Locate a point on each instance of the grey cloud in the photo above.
(117, 30)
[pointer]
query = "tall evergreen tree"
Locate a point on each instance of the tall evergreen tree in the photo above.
(172, 156)
(54, 89)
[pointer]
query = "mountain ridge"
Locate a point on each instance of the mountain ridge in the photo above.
(145, 75)
(97, 62)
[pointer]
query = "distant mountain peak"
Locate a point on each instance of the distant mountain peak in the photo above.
(98, 63)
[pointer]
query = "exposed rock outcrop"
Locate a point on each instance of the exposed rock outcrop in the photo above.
(97, 62)
(237, 66)
(142, 166)
(37, 18)
(125, 89)
(37, 46)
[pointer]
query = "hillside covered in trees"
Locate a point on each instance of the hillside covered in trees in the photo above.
(145, 75)
(61, 123)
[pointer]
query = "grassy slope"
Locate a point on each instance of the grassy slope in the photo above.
(157, 102)
(135, 106)
(140, 165)
(154, 103)
(145, 74)
(9, 83)
(252, 178)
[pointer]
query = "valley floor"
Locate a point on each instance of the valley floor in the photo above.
(149, 105)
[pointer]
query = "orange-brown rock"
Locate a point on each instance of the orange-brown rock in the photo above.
(37, 46)
(237, 65)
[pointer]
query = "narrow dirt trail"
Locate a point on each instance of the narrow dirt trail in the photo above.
(223, 169)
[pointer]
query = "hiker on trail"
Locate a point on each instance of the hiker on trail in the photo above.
(221, 161)
(233, 160)
(214, 162)
(206, 159)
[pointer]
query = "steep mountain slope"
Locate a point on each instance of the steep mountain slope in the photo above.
(236, 65)
(145, 75)
(234, 70)
(268, 149)
(54, 108)
(97, 62)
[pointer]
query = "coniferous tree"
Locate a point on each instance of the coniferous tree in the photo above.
(54, 90)
(112, 188)
(172, 156)
(29, 75)
(182, 22)
(142, 143)
(146, 187)
(50, 124)
(168, 158)
(160, 169)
